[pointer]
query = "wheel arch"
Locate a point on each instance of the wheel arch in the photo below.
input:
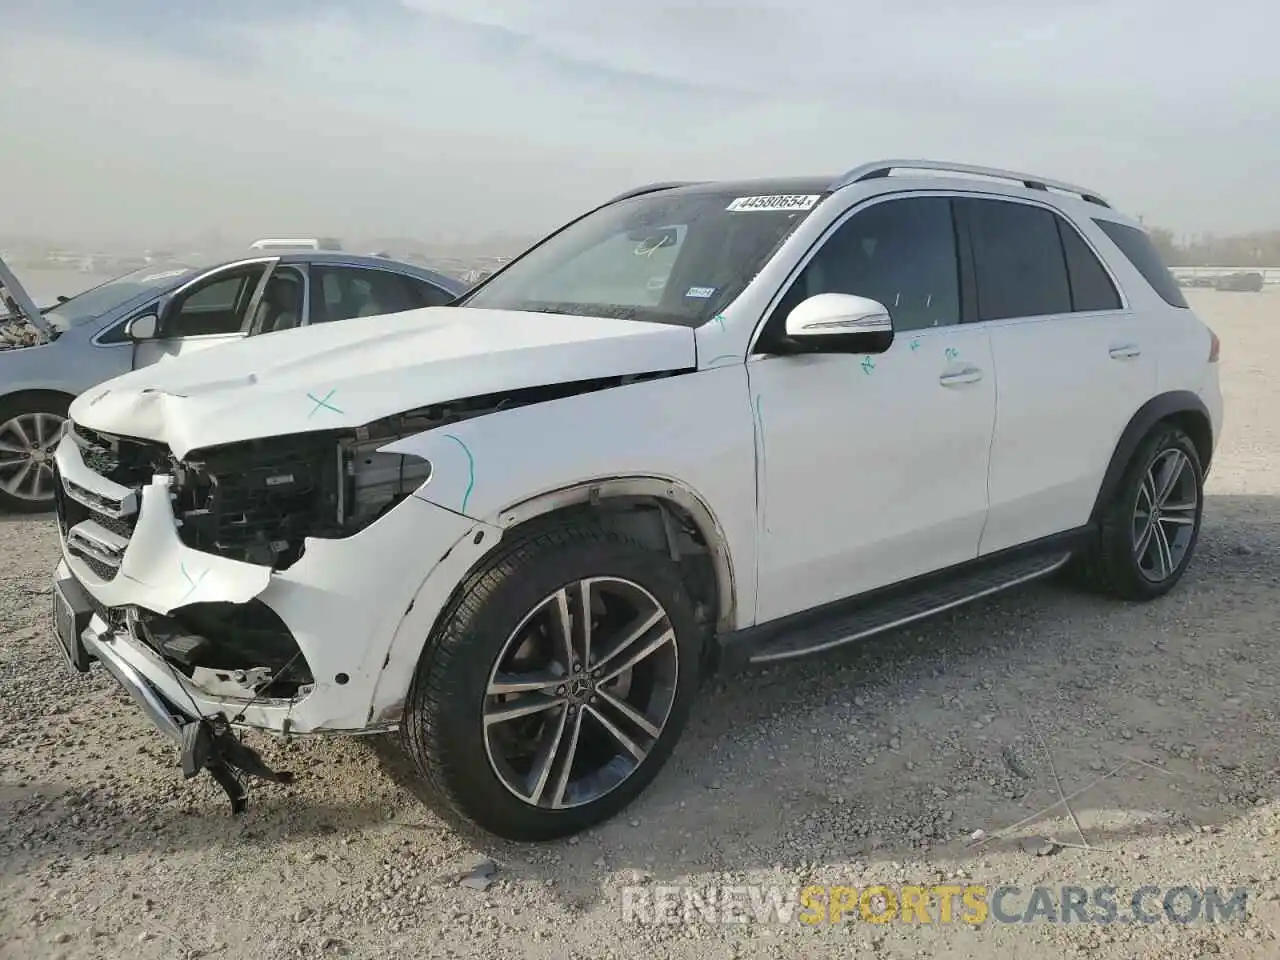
(643, 505)
(652, 501)
(23, 393)
(1180, 407)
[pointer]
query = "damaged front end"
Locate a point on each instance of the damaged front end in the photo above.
(22, 323)
(216, 588)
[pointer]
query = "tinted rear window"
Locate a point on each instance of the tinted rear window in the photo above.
(1020, 268)
(1142, 253)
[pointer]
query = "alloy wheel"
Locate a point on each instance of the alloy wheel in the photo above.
(580, 692)
(1164, 518)
(27, 442)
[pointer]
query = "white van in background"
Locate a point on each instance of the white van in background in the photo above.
(319, 243)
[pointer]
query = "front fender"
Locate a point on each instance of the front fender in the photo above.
(694, 429)
(68, 365)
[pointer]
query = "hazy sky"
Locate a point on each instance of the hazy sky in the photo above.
(151, 119)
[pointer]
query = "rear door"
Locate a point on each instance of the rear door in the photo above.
(1071, 360)
(213, 309)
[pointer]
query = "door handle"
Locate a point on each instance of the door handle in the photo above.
(967, 375)
(1125, 351)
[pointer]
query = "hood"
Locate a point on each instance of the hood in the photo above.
(15, 297)
(352, 372)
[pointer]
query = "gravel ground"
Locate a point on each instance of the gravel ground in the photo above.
(875, 765)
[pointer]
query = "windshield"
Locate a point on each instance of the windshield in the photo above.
(105, 297)
(670, 257)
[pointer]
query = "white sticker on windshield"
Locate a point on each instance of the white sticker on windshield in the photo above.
(779, 202)
(700, 293)
(162, 276)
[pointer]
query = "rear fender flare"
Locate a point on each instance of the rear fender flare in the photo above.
(1156, 409)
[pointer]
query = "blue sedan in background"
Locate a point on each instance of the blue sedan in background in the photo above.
(164, 310)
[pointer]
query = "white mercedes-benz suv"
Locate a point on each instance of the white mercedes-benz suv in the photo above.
(704, 424)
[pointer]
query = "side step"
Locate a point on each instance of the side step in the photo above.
(884, 610)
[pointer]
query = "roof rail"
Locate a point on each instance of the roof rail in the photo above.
(651, 188)
(882, 168)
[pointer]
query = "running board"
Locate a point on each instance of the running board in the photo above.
(779, 641)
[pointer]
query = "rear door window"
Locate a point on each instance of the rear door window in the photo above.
(1018, 260)
(345, 293)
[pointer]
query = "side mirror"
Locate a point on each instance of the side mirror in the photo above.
(142, 327)
(840, 323)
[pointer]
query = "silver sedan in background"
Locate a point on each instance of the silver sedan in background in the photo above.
(164, 310)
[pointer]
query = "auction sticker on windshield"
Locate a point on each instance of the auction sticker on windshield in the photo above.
(778, 202)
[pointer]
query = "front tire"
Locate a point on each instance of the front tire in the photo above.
(555, 685)
(29, 428)
(1148, 533)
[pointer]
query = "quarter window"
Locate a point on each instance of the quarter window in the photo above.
(900, 253)
(1142, 253)
(429, 295)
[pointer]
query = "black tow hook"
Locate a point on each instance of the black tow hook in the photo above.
(210, 744)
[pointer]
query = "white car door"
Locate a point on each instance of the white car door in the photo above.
(213, 309)
(1072, 366)
(873, 470)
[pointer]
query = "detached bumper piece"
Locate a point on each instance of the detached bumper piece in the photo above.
(207, 743)
(210, 744)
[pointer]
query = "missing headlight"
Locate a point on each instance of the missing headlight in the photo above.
(259, 501)
(372, 482)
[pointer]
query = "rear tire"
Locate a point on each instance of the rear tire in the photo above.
(1141, 553)
(510, 712)
(29, 427)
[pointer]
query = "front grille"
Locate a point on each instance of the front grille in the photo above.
(255, 501)
(103, 571)
(60, 501)
(123, 460)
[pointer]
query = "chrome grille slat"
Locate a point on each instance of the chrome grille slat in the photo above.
(97, 542)
(116, 509)
(97, 523)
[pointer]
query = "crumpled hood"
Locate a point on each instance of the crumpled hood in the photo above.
(352, 372)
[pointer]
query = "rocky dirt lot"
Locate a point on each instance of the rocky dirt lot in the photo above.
(873, 766)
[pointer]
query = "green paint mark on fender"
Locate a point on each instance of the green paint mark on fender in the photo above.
(471, 470)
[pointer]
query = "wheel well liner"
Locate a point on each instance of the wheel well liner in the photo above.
(1181, 407)
(671, 496)
(18, 395)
